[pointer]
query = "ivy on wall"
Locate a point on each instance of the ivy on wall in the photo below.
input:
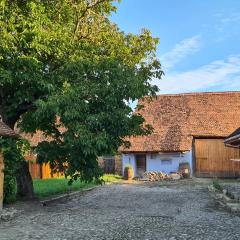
(13, 151)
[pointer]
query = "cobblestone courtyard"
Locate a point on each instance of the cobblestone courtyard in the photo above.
(142, 211)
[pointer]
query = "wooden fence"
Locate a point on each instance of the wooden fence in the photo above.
(111, 164)
(40, 171)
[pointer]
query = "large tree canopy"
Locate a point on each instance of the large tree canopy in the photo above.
(67, 70)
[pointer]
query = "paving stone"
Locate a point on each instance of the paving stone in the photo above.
(7, 214)
(180, 210)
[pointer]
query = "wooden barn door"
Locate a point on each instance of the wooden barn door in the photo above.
(213, 158)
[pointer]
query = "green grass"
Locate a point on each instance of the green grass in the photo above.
(217, 185)
(111, 178)
(47, 187)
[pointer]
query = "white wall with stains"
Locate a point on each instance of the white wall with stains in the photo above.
(160, 162)
(167, 162)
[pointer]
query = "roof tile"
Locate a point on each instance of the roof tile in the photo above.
(6, 131)
(176, 118)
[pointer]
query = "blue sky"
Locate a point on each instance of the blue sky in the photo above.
(199, 41)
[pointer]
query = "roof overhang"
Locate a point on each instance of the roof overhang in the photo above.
(207, 137)
(233, 141)
(6, 131)
(154, 151)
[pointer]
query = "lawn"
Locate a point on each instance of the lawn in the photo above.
(112, 178)
(54, 186)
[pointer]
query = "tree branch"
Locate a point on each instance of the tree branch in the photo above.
(90, 6)
(23, 108)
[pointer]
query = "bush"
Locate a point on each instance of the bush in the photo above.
(128, 166)
(217, 185)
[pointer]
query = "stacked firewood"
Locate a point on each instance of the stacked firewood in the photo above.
(160, 176)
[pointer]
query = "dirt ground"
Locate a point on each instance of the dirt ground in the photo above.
(181, 210)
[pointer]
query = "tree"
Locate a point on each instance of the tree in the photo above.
(67, 70)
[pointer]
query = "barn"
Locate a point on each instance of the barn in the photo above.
(188, 128)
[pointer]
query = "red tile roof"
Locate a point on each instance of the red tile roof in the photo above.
(177, 118)
(6, 131)
(39, 136)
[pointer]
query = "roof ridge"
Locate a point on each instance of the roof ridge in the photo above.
(199, 93)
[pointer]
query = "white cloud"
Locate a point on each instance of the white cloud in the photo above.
(181, 50)
(227, 26)
(217, 75)
(224, 21)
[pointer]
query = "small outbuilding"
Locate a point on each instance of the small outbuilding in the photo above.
(188, 129)
(5, 131)
(233, 140)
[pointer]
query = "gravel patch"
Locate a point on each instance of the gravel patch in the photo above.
(181, 210)
(233, 188)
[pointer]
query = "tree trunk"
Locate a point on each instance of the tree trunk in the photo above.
(24, 182)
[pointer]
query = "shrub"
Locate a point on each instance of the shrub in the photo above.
(217, 185)
(129, 166)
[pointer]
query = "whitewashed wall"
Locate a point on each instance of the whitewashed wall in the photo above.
(157, 164)
(129, 159)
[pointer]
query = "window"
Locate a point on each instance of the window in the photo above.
(153, 156)
(171, 154)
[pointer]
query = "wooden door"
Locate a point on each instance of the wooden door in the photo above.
(141, 164)
(213, 158)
